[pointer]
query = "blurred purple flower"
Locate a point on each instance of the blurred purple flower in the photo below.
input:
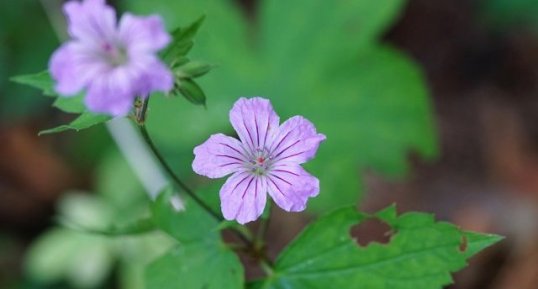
(113, 62)
(266, 160)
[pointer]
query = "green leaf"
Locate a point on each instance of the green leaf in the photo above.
(189, 225)
(182, 41)
(83, 121)
(141, 226)
(193, 69)
(201, 251)
(191, 91)
(312, 60)
(62, 254)
(42, 81)
(74, 104)
(502, 14)
(196, 266)
(421, 254)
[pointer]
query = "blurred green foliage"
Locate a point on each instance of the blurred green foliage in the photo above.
(200, 250)
(25, 46)
(321, 59)
(503, 14)
(85, 260)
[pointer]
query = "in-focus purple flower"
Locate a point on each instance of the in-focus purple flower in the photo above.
(114, 62)
(267, 159)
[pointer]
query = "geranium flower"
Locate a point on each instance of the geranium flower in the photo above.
(113, 62)
(267, 159)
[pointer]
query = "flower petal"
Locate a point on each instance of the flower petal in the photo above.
(153, 75)
(63, 68)
(243, 197)
(255, 121)
(91, 21)
(143, 33)
(219, 156)
(291, 186)
(111, 93)
(73, 66)
(296, 142)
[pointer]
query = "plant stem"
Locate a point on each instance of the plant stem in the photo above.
(264, 225)
(140, 120)
(172, 175)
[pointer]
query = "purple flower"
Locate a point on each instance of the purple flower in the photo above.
(113, 62)
(267, 160)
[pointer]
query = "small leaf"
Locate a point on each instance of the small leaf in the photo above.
(193, 69)
(83, 121)
(422, 254)
(42, 81)
(182, 41)
(191, 91)
(188, 33)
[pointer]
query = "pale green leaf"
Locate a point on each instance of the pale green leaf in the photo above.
(42, 81)
(189, 225)
(83, 121)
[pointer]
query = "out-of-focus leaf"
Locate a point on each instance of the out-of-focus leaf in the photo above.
(42, 81)
(73, 104)
(119, 186)
(191, 91)
(85, 209)
(322, 60)
(141, 226)
(196, 265)
(192, 69)
(83, 260)
(25, 46)
(83, 121)
(137, 253)
(182, 41)
(422, 254)
(189, 225)
(201, 251)
(503, 14)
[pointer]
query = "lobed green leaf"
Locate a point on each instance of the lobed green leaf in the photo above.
(201, 250)
(422, 253)
(322, 60)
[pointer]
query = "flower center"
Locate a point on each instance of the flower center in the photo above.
(260, 162)
(115, 55)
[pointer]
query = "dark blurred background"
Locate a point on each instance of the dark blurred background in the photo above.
(480, 60)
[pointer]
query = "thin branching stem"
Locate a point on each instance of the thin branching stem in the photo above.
(140, 120)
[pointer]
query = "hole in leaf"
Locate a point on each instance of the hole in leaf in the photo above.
(463, 244)
(371, 231)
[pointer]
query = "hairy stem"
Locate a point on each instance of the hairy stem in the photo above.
(174, 177)
(140, 120)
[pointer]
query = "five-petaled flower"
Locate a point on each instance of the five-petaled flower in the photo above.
(267, 160)
(113, 62)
